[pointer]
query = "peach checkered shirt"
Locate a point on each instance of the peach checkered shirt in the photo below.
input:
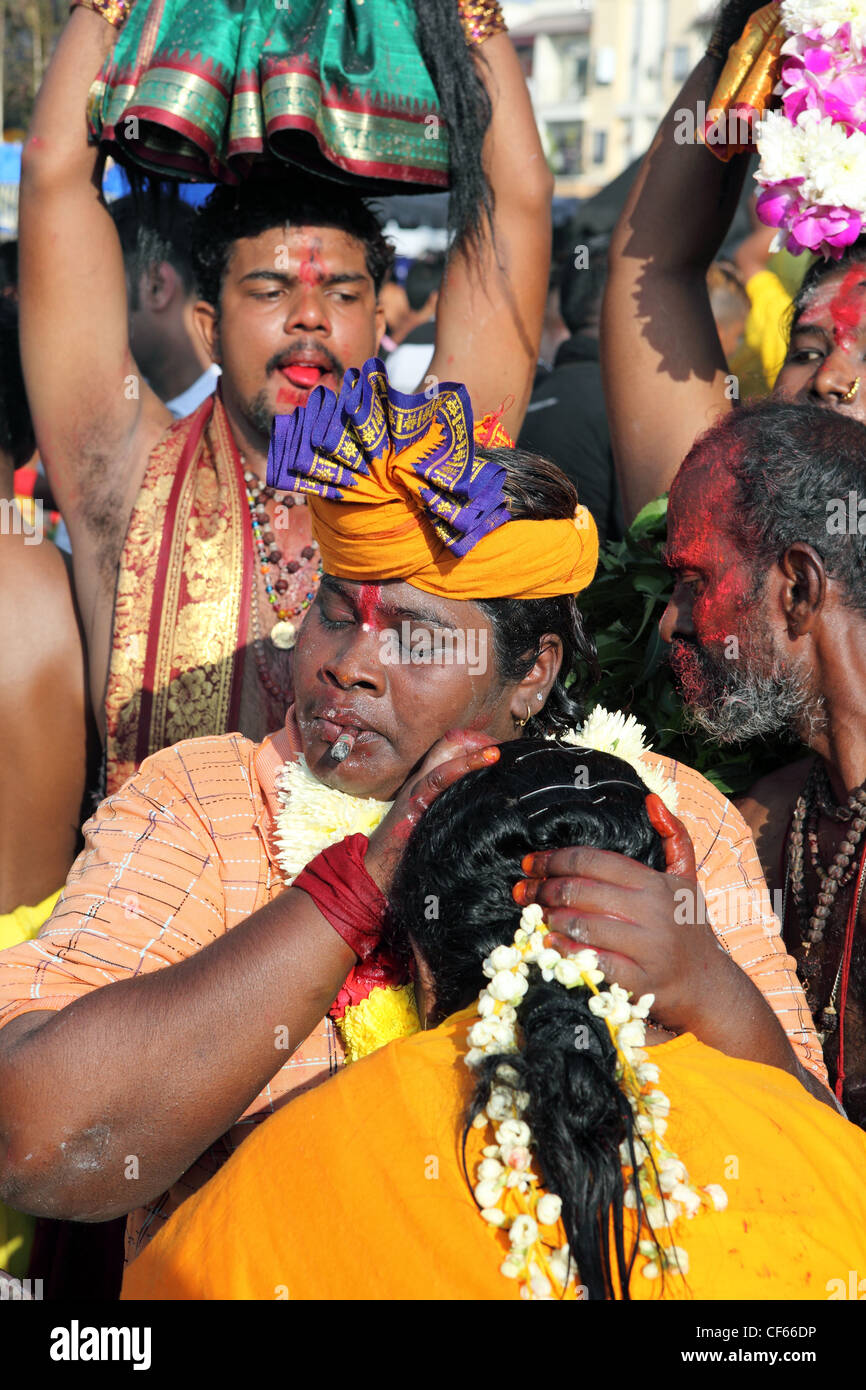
(184, 851)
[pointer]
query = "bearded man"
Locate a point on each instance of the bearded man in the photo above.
(184, 564)
(182, 989)
(766, 626)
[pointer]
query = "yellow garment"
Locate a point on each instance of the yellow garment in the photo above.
(757, 363)
(16, 1229)
(356, 1189)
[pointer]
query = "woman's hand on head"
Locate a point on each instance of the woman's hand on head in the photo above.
(458, 752)
(649, 929)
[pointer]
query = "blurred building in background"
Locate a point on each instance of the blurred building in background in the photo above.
(602, 73)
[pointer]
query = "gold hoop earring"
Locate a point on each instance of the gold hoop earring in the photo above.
(521, 723)
(851, 392)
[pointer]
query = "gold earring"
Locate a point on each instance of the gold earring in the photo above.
(521, 723)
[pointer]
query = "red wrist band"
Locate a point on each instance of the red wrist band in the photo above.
(345, 894)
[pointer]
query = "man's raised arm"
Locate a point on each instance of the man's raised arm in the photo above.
(95, 417)
(491, 307)
(663, 365)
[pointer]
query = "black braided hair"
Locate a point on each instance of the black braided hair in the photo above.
(465, 855)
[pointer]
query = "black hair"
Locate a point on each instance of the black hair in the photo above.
(17, 440)
(154, 224)
(537, 490)
(792, 462)
(465, 855)
(261, 203)
(424, 278)
(455, 69)
(9, 267)
(581, 286)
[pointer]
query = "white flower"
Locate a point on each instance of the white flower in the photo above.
(549, 1209)
(540, 1284)
(499, 1106)
(486, 1004)
(489, 1168)
(495, 1215)
(632, 1033)
(505, 986)
(650, 1270)
(677, 1258)
(502, 958)
(717, 1195)
(613, 732)
(475, 1056)
(642, 1008)
(487, 1193)
(688, 1197)
(480, 1034)
(523, 1232)
(509, 1075)
(567, 972)
(513, 1132)
(510, 1267)
(828, 16)
(647, 1072)
(657, 1102)
(531, 917)
(560, 1265)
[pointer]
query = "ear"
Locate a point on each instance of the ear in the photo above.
(207, 325)
(162, 284)
(803, 594)
(381, 324)
(539, 681)
(425, 990)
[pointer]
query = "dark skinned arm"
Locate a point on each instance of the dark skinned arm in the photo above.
(160, 1065)
(663, 366)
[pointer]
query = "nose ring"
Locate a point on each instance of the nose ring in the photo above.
(852, 391)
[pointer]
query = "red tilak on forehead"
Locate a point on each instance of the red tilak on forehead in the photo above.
(847, 306)
(311, 271)
(369, 598)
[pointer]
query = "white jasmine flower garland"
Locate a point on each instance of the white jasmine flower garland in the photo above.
(507, 1191)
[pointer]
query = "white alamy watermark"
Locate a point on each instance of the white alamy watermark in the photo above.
(846, 516)
(449, 647)
(77, 1343)
(718, 127)
(13, 522)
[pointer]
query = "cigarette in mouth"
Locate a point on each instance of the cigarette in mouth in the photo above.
(343, 747)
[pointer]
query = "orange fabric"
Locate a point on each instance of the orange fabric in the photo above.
(185, 851)
(356, 1191)
(398, 468)
(746, 83)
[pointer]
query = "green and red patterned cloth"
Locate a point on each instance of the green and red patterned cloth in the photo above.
(200, 90)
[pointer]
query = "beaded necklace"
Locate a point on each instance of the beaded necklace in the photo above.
(276, 572)
(816, 796)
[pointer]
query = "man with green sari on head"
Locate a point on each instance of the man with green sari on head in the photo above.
(192, 575)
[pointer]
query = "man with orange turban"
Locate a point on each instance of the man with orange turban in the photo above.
(184, 988)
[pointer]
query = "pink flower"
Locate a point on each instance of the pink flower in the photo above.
(828, 230)
(776, 202)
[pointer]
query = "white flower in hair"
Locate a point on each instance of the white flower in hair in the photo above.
(611, 731)
(828, 16)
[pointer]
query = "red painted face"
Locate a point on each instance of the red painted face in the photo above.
(707, 618)
(828, 343)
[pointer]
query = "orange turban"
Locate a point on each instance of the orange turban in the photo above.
(396, 492)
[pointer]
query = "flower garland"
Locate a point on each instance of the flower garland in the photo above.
(508, 1192)
(375, 1005)
(813, 151)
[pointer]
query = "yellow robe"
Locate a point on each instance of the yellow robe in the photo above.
(356, 1190)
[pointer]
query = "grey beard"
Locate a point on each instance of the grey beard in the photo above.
(753, 706)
